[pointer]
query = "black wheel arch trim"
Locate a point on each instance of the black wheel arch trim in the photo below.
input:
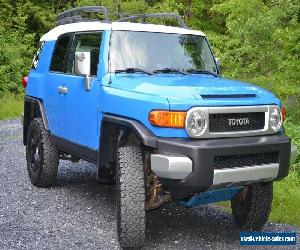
(28, 116)
(146, 137)
(41, 107)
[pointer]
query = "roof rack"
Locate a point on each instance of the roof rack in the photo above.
(73, 15)
(135, 18)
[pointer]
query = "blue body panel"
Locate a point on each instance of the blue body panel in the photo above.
(73, 116)
(77, 115)
(184, 91)
(211, 196)
(135, 95)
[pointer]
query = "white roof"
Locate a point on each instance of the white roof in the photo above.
(74, 27)
(153, 28)
(94, 26)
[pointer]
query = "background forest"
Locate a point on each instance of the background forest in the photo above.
(257, 40)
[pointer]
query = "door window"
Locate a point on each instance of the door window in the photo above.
(59, 57)
(85, 42)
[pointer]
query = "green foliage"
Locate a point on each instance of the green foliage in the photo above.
(286, 199)
(261, 43)
(11, 106)
(14, 58)
(21, 24)
(257, 40)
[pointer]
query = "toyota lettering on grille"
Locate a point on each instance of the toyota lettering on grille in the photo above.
(238, 122)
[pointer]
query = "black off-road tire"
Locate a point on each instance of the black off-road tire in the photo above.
(130, 197)
(41, 155)
(252, 205)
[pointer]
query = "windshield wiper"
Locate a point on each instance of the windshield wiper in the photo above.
(133, 70)
(169, 70)
(201, 71)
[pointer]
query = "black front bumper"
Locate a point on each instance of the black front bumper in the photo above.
(203, 153)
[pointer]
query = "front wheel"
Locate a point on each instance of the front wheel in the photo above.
(130, 197)
(252, 205)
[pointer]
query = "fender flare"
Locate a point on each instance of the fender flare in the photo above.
(30, 113)
(122, 127)
(146, 137)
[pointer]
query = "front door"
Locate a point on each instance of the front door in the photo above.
(73, 110)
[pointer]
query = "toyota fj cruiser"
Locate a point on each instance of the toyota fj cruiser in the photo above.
(146, 104)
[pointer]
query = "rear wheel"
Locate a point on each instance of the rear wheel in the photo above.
(41, 155)
(252, 205)
(130, 197)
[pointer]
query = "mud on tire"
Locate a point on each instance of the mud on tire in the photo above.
(130, 197)
(41, 155)
(252, 205)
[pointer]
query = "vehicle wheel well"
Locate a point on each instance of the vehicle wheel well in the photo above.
(113, 136)
(32, 110)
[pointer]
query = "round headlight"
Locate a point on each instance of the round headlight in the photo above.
(195, 123)
(275, 119)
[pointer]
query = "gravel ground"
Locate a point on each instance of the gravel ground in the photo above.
(79, 213)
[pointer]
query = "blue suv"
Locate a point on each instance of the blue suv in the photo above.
(147, 105)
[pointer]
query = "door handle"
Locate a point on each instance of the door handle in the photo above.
(62, 90)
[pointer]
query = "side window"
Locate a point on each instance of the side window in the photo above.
(85, 42)
(36, 57)
(58, 62)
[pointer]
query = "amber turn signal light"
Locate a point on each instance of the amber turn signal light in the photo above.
(169, 119)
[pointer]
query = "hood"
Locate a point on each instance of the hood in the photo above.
(184, 91)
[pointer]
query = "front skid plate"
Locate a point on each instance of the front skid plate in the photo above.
(210, 196)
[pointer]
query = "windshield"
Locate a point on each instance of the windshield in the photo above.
(160, 52)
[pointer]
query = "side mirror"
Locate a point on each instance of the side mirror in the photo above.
(218, 62)
(83, 67)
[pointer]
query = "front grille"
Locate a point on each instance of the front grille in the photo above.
(237, 161)
(235, 122)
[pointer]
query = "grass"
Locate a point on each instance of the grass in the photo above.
(11, 106)
(286, 199)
